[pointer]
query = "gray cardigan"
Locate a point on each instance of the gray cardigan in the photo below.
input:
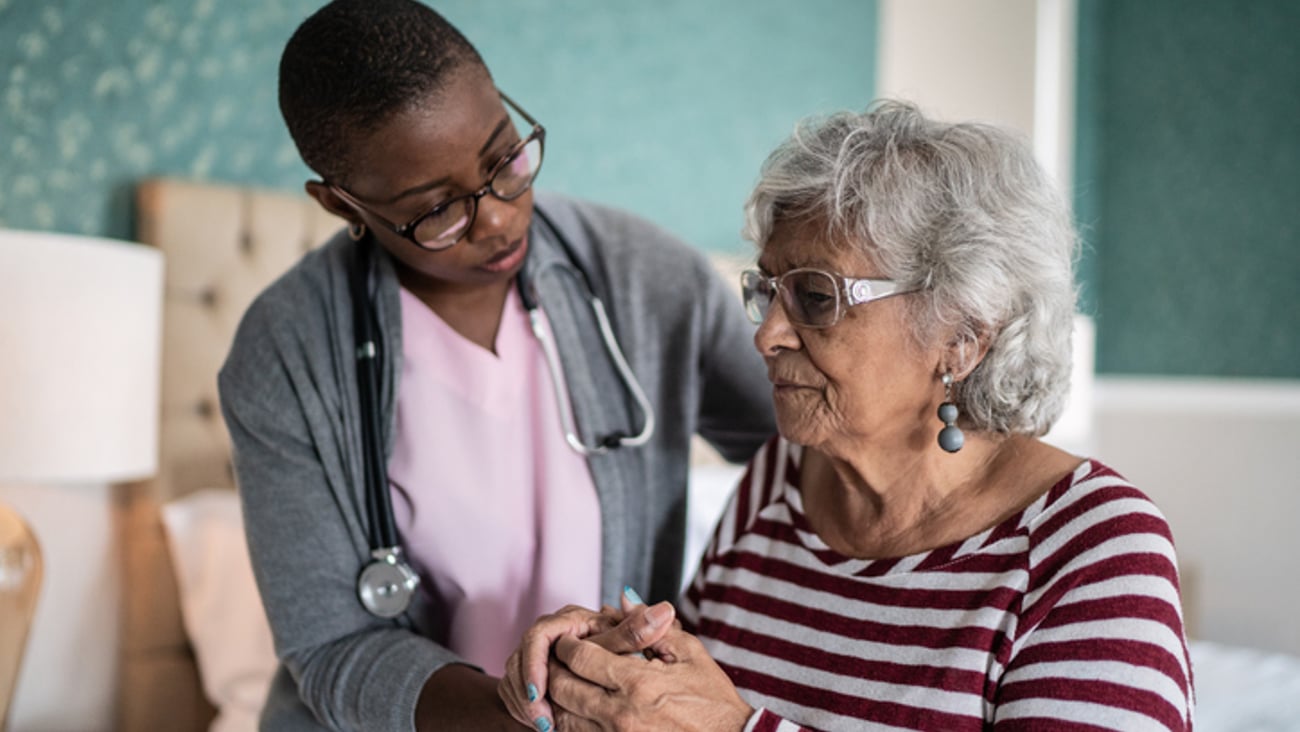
(288, 393)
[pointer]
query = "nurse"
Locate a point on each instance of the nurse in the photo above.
(506, 501)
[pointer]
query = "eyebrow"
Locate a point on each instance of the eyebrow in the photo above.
(422, 187)
(505, 121)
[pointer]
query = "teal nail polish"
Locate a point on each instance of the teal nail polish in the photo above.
(532, 693)
(631, 595)
(543, 724)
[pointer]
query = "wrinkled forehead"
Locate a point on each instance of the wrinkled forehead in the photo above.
(809, 241)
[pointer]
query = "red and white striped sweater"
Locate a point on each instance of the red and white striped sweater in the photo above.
(1064, 616)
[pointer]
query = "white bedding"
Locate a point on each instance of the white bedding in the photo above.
(1245, 690)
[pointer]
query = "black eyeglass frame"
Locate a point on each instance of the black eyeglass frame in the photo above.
(407, 230)
(849, 291)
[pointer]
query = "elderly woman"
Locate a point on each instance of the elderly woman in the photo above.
(907, 553)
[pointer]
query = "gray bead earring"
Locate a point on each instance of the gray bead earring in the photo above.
(951, 438)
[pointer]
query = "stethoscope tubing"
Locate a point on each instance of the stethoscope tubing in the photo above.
(558, 384)
(386, 583)
(383, 527)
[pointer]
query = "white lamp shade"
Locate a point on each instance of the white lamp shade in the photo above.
(80, 335)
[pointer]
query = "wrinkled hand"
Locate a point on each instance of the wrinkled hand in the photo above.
(525, 684)
(680, 688)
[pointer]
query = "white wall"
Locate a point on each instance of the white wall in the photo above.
(961, 59)
(1006, 62)
(1221, 458)
(67, 680)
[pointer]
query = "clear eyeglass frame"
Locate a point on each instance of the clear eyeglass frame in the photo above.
(758, 290)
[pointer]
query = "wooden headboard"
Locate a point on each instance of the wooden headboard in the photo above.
(223, 244)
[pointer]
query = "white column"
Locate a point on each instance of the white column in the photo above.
(1008, 62)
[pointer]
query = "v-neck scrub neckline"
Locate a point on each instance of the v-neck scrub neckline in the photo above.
(497, 514)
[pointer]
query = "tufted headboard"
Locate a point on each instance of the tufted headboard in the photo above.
(223, 245)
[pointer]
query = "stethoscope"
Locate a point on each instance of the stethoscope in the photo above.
(387, 583)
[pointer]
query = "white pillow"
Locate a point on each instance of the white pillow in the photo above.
(220, 607)
(711, 486)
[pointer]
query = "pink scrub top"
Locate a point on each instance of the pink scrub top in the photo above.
(496, 513)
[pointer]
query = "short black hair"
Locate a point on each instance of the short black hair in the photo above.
(353, 64)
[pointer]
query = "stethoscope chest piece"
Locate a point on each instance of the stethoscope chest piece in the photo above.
(387, 583)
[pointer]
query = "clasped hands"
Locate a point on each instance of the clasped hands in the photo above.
(618, 669)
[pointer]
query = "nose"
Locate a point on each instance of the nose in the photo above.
(493, 217)
(776, 332)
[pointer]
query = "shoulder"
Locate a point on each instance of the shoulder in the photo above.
(1096, 527)
(598, 220)
(301, 288)
(619, 241)
(1095, 503)
(1102, 606)
(292, 315)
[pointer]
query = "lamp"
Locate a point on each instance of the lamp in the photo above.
(80, 334)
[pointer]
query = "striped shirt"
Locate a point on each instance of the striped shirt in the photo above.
(1064, 616)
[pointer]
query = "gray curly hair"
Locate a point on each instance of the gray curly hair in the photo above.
(962, 211)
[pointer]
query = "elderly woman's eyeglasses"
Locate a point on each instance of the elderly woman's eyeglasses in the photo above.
(449, 221)
(810, 297)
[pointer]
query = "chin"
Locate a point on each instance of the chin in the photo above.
(800, 426)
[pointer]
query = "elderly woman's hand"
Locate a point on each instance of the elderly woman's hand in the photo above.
(524, 685)
(680, 688)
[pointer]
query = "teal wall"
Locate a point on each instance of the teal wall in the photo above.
(667, 108)
(1187, 166)
(95, 95)
(1188, 185)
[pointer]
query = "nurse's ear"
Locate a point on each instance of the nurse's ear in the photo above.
(330, 201)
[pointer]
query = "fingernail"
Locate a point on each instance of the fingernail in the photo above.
(532, 693)
(658, 614)
(543, 724)
(631, 596)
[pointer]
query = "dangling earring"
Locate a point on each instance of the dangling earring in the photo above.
(951, 437)
(356, 231)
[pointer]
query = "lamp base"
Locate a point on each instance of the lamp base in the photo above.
(21, 571)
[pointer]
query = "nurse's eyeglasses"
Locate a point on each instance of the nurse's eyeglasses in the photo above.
(811, 297)
(449, 221)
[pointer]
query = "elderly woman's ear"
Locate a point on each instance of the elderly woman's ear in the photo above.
(965, 349)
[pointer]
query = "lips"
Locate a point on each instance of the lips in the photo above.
(505, 252)
(507, 258)
(789, 374)
(783, 382)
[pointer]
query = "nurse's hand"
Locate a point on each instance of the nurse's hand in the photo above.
(524, 686)
(680, 688)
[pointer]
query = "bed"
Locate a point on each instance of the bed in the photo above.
(195, 653)
(222, 245)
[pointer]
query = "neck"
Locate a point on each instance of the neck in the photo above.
(873, 503)
(473, 310)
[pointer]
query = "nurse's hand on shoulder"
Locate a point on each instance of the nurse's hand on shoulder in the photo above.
(681, 687)
(524, 685)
